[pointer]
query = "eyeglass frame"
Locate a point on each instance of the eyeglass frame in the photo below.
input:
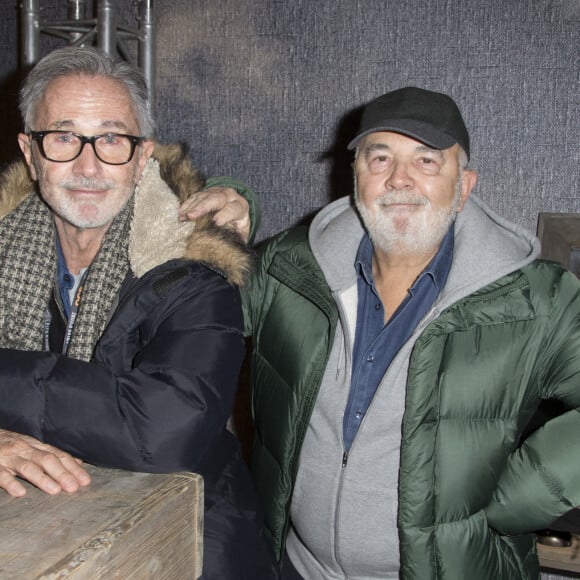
(38, 136)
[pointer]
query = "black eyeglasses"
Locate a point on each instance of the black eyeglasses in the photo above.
(63, 146)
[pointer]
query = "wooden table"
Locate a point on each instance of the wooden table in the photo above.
(124, 525)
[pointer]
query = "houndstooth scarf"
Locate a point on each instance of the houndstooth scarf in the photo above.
(28, 277)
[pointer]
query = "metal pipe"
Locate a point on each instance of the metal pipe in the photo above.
(30, 23)
(76, 12)
(76, 9)
(147, 45)
(106, 26)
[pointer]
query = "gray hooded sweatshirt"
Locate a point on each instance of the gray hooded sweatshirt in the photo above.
(344, 517)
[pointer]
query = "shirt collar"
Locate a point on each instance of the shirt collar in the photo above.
(65, 278)
(364, 260)
(438, 268)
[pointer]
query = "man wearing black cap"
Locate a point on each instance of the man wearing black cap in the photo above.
(398, 354)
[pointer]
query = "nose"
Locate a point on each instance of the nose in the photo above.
(86, 163)
(399, 177)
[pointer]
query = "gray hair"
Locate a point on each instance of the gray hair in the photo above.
(85, 61)
(463, 160)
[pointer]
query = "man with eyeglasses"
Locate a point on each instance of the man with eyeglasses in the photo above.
(120, 327)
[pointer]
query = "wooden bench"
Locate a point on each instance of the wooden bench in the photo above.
(124, 525)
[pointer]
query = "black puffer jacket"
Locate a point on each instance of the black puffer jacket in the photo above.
(160, 388)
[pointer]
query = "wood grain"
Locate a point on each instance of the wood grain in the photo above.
(124, 525)
(564, 559)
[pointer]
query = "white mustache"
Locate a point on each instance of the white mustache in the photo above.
(86, 183)
(402, 197)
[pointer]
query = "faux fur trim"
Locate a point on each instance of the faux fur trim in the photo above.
(15, 185)
(177, 170)
(156, 234)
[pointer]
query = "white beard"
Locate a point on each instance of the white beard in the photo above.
(407, 232)
(86, 213)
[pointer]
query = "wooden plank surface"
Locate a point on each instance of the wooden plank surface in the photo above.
(124, 525)
(566, 559)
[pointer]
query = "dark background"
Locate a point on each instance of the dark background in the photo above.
(267, 91)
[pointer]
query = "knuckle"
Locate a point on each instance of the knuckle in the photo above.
(43, 457)
(27, 468)
(5, 476)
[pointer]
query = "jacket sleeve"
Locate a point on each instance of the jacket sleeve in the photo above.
(253, 294)
(160, 390)
(247, 194)
(542, 478)
(256, 291)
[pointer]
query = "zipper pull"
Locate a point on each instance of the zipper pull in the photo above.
(344, 458)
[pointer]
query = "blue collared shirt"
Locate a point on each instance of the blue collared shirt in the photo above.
(376, 343)
(66, 281)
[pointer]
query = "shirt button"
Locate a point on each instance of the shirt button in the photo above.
(68, 279)
(370, 358)
(358, 414)
(377, 306)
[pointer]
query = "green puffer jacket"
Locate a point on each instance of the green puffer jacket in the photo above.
(470, 491)
(290, 312)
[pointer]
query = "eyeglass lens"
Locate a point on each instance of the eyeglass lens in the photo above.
(110, 148)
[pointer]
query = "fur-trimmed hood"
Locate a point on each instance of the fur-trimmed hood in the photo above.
(156, 234)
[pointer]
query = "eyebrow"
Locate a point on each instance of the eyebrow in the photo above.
(69, 124)
(376, 147)
(419, 149)
(426, 149)
(369, 148)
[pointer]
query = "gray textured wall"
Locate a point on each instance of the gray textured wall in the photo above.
(267, 90)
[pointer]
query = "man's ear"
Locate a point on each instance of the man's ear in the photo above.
(25, 144)
(468, 181)
(145, 151)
